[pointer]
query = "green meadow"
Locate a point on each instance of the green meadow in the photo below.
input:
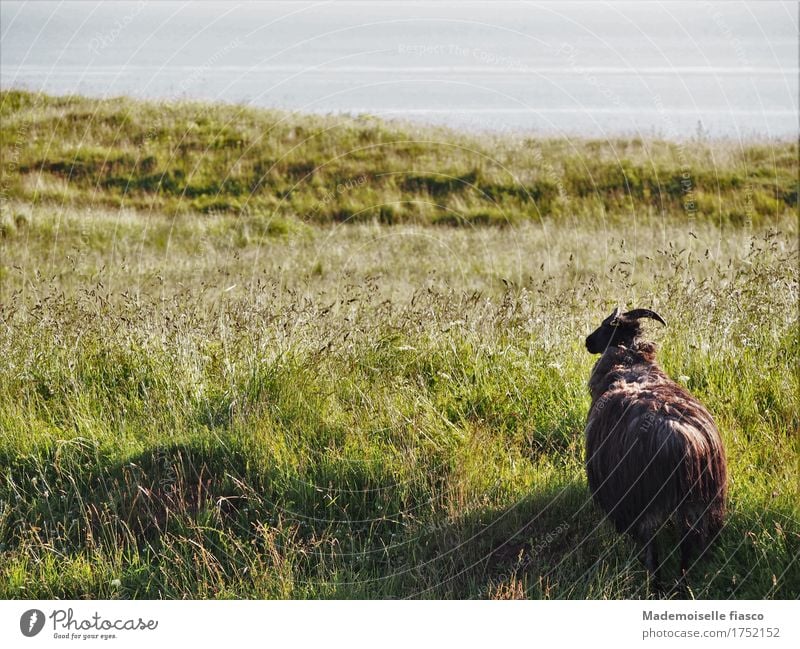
(253, 354)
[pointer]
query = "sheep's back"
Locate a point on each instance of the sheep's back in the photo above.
(650, 448)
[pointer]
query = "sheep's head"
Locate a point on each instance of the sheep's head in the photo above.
(619, 329)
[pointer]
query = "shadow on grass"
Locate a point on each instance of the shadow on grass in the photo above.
(534, 545)
(556, 545)
(200, 520)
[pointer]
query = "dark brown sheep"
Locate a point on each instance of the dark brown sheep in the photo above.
(652, 449)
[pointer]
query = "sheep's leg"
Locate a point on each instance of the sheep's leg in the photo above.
(691, 541)
(651, 561)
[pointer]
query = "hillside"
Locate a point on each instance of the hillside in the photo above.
(192, 157)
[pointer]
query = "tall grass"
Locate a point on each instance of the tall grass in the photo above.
(223, 406)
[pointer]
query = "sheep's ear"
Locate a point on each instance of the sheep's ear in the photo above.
(614, 318)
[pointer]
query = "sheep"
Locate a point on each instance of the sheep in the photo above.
(653, 451)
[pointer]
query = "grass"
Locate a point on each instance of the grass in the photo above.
(272, 403)
(188, 157)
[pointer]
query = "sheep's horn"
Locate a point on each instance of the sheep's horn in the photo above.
(643, 313)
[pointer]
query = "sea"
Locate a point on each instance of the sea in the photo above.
(676, 70)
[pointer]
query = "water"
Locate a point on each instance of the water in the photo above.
(729, 70)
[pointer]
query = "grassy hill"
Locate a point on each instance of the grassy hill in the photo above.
(264, 402)
(183, 157)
